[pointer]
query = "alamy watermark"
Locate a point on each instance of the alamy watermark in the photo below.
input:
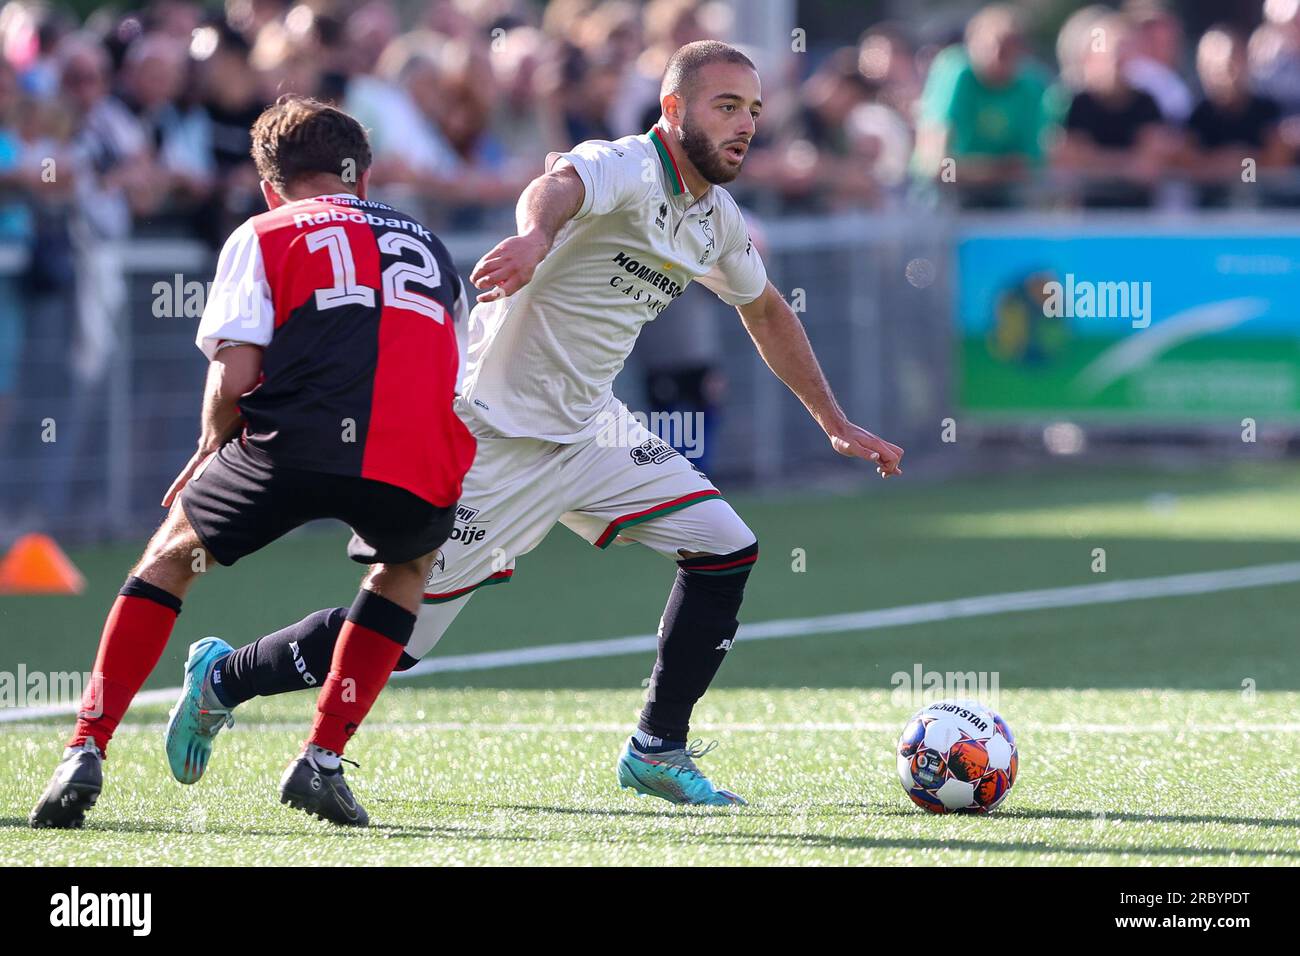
(77, 908)
(1084, 299)
(24, 688)
(919, 687)
(188, 299)
(684, 431)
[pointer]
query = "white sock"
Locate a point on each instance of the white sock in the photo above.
(208, 699)
(646, 741)
(323, 759)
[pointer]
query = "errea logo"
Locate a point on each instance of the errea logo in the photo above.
(76, 909)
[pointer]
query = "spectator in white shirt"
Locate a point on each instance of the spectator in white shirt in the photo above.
(1154, 68)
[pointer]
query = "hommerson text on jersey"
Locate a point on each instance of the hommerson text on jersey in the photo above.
(650, 276)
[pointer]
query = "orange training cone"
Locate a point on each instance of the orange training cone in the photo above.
(36, 565)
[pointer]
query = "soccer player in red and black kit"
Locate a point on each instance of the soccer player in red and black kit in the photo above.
(329, 328)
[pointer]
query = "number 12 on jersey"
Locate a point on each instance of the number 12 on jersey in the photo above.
(347, 291)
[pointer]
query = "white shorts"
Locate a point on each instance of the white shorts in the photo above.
(621, 486)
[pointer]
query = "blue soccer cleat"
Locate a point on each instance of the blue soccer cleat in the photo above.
(193, 723)
(672, 776)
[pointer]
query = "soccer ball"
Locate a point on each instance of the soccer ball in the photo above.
(957, 756)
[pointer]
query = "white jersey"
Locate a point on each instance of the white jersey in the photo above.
(542, 362)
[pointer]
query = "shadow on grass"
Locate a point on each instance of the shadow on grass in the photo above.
(1104, 816)
(139, 826)
(829, 841)
(826, 841)
(644, 809)
(739, 840)
(320, 828)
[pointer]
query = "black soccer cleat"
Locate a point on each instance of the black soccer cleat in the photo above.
(72, 790)
(323, 794)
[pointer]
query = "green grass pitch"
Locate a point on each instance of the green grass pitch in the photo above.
(1152, 732)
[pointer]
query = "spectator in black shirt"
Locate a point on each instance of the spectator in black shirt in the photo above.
(231, 98)
(1114, 137)
(1232, 124)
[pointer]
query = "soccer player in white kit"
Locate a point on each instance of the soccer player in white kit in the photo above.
(608, 237)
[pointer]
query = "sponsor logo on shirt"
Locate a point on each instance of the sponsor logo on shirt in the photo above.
(652, 277)
(652, 451)
(305, 220)
(635, 269)
(469, 527)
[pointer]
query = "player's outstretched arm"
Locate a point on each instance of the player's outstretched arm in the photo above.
(234, 371)
(781, 341)
(544, 207)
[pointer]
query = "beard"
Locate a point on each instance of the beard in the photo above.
(706, 157)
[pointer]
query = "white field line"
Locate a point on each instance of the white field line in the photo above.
(1111, 592)
(1206, 582)
(844, 727)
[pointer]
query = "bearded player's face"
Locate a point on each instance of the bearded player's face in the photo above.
(722, 109)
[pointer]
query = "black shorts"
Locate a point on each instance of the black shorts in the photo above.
(241, 501)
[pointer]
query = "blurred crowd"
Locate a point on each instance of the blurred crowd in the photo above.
(142, 118)
(137, 124)
(1137, 114)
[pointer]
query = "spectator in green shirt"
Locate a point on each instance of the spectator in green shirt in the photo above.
(982, 119)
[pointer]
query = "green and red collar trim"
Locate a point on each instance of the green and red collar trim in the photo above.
(666, 159)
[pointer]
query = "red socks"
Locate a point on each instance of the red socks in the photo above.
(141, 622)
(368, 649)
(134, 636)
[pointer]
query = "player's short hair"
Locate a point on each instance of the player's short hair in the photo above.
(298, 136)
(685, 64)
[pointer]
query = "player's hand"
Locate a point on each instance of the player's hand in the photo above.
(854, 442)
(186, 474)
(508, 267)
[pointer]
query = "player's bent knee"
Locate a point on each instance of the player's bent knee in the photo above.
(734, 565)
(711, 528)
(173, 554)
(728, 532)
(380, 575)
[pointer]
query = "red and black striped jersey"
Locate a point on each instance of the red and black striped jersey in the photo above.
(354, 304)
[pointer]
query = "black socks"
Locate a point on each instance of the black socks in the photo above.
(294, 658)
(699, 625)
